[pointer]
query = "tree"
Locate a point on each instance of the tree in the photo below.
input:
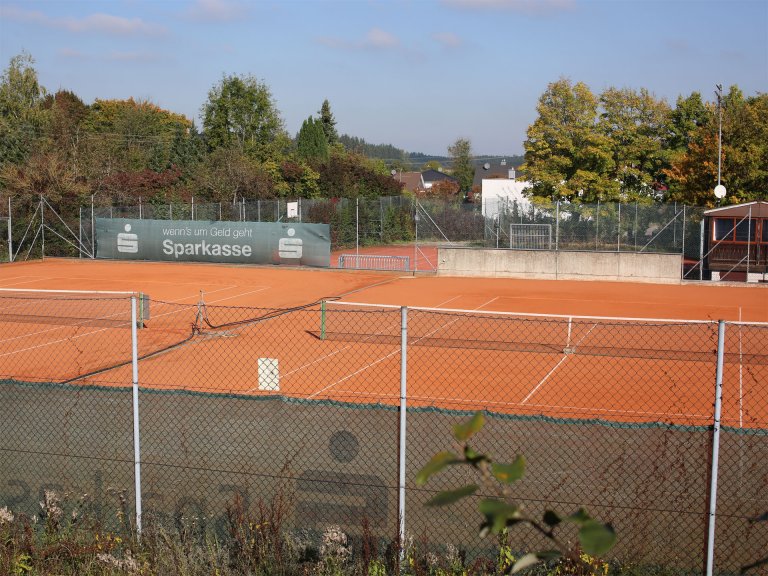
(311, 142)
(463, 167)
(240, 112)
(21, 116)
(693, 171)
(351, 175)
(328, 123)
(685, 119)
(566, 156)
(636, 124)
(227, 175)
(130, 136)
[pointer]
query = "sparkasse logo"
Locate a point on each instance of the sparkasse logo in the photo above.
(127, 242)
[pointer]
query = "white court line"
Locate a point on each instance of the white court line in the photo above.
(36, 279)
(563, 359)
(334, 353)
(93, 331)
(371, 364)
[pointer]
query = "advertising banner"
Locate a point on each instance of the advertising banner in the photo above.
(294, 244)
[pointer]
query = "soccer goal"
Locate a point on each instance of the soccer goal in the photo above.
(530, 236)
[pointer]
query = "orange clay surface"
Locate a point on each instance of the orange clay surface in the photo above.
(453, 362)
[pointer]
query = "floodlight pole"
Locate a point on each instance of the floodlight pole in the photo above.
(719, 94)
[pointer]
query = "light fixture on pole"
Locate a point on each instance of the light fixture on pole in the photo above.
(719, 189)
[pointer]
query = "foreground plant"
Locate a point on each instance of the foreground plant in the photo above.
(500, 512)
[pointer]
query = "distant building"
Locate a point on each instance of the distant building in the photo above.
(499, 189)
(432, 177)
(412, 181)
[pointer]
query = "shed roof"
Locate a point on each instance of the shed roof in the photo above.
(759, 210)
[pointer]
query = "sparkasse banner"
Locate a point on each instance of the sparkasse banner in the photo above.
(295, 244)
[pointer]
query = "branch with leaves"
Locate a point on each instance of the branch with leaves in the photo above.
(499, 510)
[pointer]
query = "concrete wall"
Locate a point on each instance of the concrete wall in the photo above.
(542, 264)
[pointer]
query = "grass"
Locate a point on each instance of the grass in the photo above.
(65, 539)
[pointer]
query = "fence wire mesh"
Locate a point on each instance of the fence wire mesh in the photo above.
(614, 415)
(42, 230)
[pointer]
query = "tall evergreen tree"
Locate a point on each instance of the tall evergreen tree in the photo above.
(311, 144)
(328, 123)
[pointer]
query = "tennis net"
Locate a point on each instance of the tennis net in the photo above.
(660, 339)
(72, 308)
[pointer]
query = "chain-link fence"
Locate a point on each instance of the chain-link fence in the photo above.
(613, 227)
(41, 229)
(619, 416)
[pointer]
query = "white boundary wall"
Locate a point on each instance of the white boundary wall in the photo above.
(549, 264)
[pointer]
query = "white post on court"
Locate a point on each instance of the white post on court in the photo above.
(715, 447)
(136, 436)
(403, 406)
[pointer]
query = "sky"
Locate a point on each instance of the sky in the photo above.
(417, 74)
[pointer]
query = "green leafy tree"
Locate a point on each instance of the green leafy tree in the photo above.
(240, 112)
(566, 156)
(501, 513)
(227, 175)
(636, 124)
(463, 167)
(22, 118)
(328, 123)
(348, 175)
(688, 116)
(693, 171)
(311, 143)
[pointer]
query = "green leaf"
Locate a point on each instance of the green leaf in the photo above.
(509, 473)
(551, 518)
(463, 432)
(438, 462)
(498, 514)
(596, 538)
(451, 496)
(579, 517)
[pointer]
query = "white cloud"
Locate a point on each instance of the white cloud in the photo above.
(71, 53)
(376, 39)
(530, 7)
(447, 39)
(132, 57)
(99, 23)
(216, 10)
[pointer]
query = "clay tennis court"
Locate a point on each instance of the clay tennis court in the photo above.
(570, 366)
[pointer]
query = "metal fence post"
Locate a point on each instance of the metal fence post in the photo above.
(403, 406)
(557, 226)
(136, 435)
(10, 232)
(715, 447)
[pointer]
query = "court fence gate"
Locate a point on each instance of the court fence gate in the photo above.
(657, 426)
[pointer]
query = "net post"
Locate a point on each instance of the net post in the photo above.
(322, 319)
(140, 322)
(403, 418)
(135, 402)
(715, 447)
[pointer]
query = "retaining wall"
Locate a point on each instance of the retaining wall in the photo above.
(545, 264)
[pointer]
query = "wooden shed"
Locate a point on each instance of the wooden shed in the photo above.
(737, 239)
